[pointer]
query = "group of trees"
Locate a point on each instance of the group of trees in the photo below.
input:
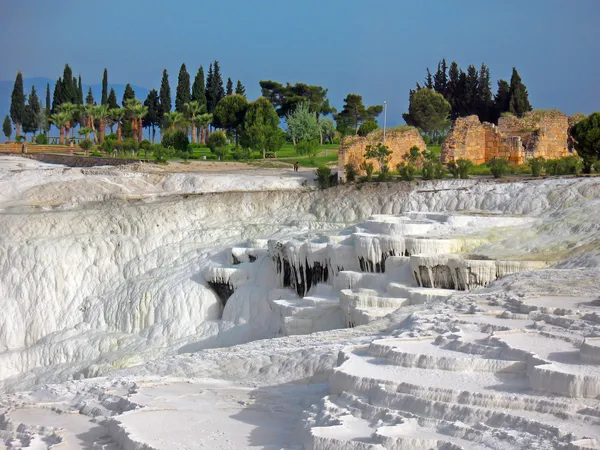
(470, 93)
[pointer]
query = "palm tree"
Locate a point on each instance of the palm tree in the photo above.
(101, 114)
(60, 120)
(69, 109)
(90, 114)
(174, 119)
(117, 115)
(139, 112)
(202, 122)
(192, 109)
(131, 111)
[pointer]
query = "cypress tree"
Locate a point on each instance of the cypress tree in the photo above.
(79, 92)
(7, 127)
(453, 87)
(519, 98)
(182, 95)
(75, 97)
(89, 100)
(208, 91)
(428, 80)
(165, 95)
(17, 104)
(153, 118)
(69, 88)
(198, 94)
(471, 91)
(32, 113)
(215, 90)
(112, 99)
(440, 79)
(502, 99)
(104, 99)
(57, 96)
(229, 89)
(484, 95)
(240, 89)
(48, 105)
(129, 94)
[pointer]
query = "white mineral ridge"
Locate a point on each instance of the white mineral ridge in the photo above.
(111, 336)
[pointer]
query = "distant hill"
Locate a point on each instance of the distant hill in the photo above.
(6, 88)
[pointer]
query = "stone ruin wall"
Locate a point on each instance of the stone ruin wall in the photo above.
(538, 133)
(399, 142)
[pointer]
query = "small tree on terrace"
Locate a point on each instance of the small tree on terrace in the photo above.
(379, 153)
(586, 134)
(355, 112)
(302, 124)
(260, 131)
(7, 127)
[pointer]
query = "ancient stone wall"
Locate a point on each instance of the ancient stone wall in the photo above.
(399, 142)
(538, 133)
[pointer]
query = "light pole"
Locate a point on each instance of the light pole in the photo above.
(384, 119)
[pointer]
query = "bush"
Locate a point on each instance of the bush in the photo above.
(85, 145)
(145, 144)
(256, 155)
(498, 167)
(270, 155)
(111, 137)
(240, 153)
(460, 168)
(196, 145)
(406, 171)
(130, 146)
(217, 142)
(570, 165)
(323, 177)
(595, 166)
(160, 153)
(536, 165)
(308, 148)
(368, 168)
(115, 145)
(351, 173)
(367, 127)
(175, 138)
(433, 170)
(41, 139)
(96, 153)
(384, 173)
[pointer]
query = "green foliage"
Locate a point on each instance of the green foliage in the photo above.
(406, 171)
(351, 173)
(17, 103)
(128, 94)
(433, 169)
(354, 112)
(367, 127)
(41, 139)
(323, 177)
(117, 146)
(165, 94)
(499, 167)
(130, 146)
(112, 99)
(460, 168)
(177, 139)
(286, 99)
(570, 165)
(429, 111)
(145, 145)
(368, 168)
(241, 153)
(327, 130)
(536, 165)
(308, 148)
(240, 89)
(161, 154)
(229, 87)
(384, 173)
(413, 154)
(230, 112)
(379, 153)
(260, 131)
(85, 144)
(31, 121)
(182, 94)
(217, 142)
(302, 124)
(518, 96)
(214, 87)
(153, 118)
(104, 100)
(7, 127)
(198, 88)
(586, 134)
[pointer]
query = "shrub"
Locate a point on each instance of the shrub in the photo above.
(460, 168)
(217, 142)
(406, 171)
(308, 148)
(536, 165)
(570, 165)
(183, 154)
(115, 145)
(412, 155)
(323, 177)
(498, 167)
(384, 173)
(351, 173)
(85, 145)
(96, 153)
(596, 166)
(175, 138)
(241, 153)
(41, 139)
(368, 168)
(130, 146)
(145, 144)
(256, 155)
(367, 127)
(433, 170)
(160, 153)
(111, 137)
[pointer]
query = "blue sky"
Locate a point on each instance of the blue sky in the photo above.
(377, 49)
